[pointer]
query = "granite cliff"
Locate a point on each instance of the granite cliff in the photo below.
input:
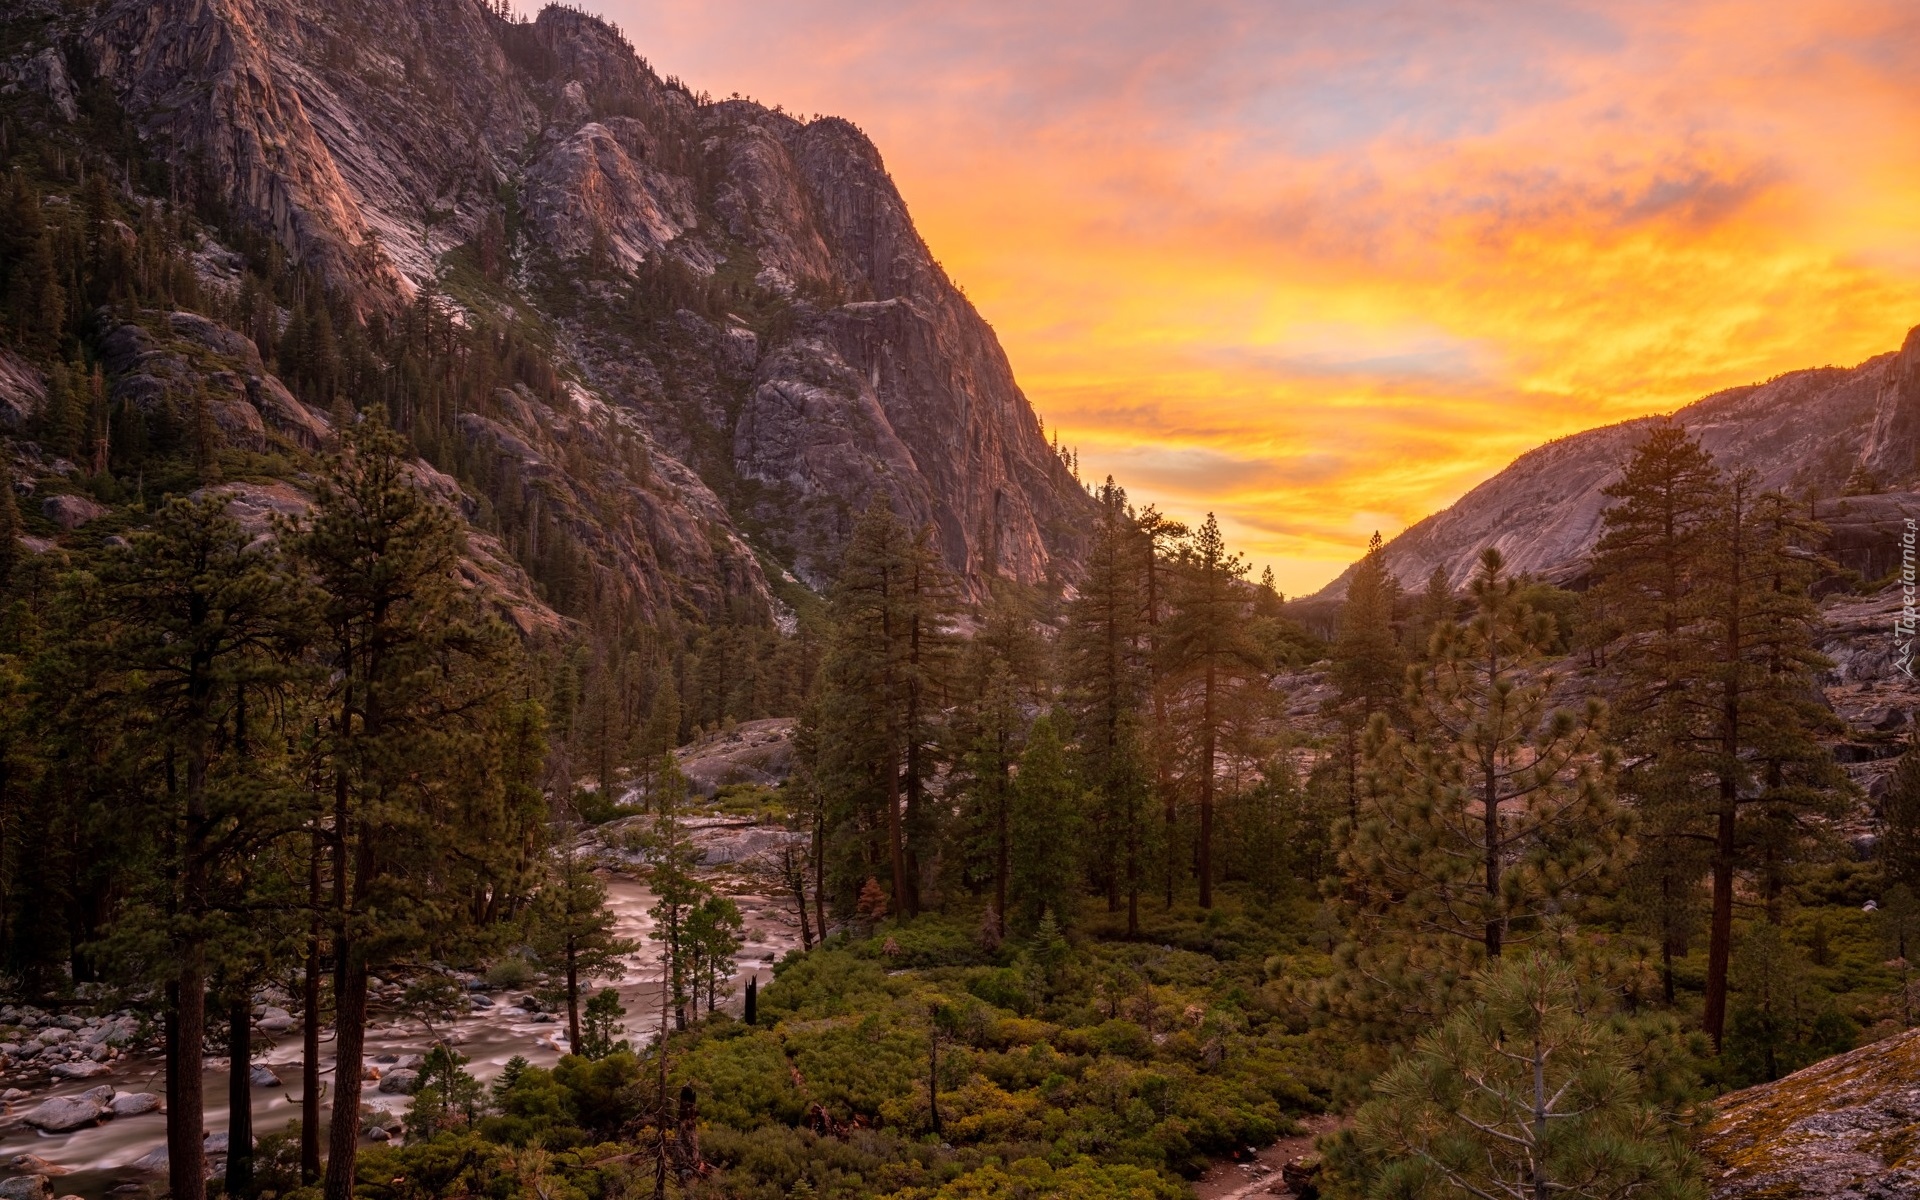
(750, 340)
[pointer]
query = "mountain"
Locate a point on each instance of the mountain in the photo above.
(743, 339)
(1806, 432)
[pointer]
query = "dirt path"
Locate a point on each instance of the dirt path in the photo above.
(1260, 1175)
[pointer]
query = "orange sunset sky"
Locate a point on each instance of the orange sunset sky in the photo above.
(1322, 267)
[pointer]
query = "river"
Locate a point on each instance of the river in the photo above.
(99, 1159)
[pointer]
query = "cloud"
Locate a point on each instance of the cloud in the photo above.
(1306, 262)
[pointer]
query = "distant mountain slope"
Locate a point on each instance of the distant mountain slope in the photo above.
(1804, 430)
(743, 292)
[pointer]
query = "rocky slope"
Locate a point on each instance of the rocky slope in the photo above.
(755, 340)
(1846, 1127)
(1807, 430)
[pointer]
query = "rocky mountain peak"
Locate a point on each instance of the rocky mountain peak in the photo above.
(742, 293)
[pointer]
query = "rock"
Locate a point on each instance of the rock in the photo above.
(26, 1187)
(99, 1052)
(46, 73)
(22, 393)
(1302, 1174)
(479, 1000)
(400, 1082)
(1839, 1128)
(378, 1134)
(275, 1020)
(102, 1095)
(63, 1114)
(153, 1161)
(13, 1093)
(35, 1165)
(134, 1104)
(411, 1062)
(215, 1143)
(70, 511)
(79, 1070)
(263, 1076)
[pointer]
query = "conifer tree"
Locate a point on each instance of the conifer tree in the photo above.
(1045, 830)
(1708, 578)
(1493, 812)
(1106, 678)
(572, 927)
(1158, 536)
(1368, 664)
(418, 675)
(1211, 658)
(198, 620)
(992, 733)
(1526, 1093)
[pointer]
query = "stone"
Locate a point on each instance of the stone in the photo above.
(13, 1093)
(23, 391)
(33, 1164)
(263, 1076)
(79, 1070)
(102, 1095)
(400, 1082)
(63, 1114)
(411, 1062)
(26, 1187)
(70, 511)
(153, 1161)
(134, 1104)
(1834, 1129)
(275, 1020)
(215, 1143)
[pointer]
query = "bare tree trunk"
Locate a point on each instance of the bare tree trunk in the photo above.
(894, 847)
(310, 1028)
(239, 1097)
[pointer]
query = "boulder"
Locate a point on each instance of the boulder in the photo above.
(84, 1069)
(102, 1095)
(26, 1187)
(411, 1062)
(155, 1161)
(69, 511)
(22, 393)
(33, 1164)
(275, 1020)
(63, 1114)
(400, 1082)
(216, 1143)
(263, 1076)
(133, 1104)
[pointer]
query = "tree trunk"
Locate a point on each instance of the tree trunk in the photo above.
(310, 1027)
(239, 1097)
(1208, 737)
(1720, 936)
(895, 849)
(820, 870)
(186, 1106)
(349, 1041)
(1002, 856)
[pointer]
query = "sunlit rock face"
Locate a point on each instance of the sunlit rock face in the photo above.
(1804, 432)
(389, 147)
(1847, 1127)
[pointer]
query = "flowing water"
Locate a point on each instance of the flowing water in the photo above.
(102, 1157)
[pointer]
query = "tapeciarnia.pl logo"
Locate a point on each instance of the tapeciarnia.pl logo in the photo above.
(1903, 628)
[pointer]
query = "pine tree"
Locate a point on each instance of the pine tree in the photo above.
(991, 733)
(1368, 665)
(1210, 656)
(1106, 678)
(1709, 578)
(1158, 536)
(199, 619)
(1525, 1093)
(1045, 830)
(572, 927)
(418, 676)
(1495, 811)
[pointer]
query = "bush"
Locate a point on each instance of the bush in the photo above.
(510, 972)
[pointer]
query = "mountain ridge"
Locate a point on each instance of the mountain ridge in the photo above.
(1809, 432)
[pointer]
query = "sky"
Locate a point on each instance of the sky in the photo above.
(1320, 267)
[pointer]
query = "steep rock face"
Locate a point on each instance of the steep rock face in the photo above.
(1805, 430)
(372, 140)
(1846, 1127)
